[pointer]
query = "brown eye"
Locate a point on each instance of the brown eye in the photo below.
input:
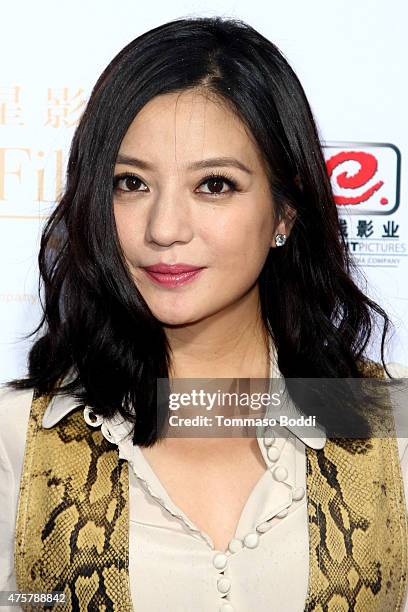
(127, 182)
(216, 183)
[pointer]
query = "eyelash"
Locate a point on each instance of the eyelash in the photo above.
(227, 179)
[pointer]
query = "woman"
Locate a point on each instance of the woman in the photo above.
(197, 237)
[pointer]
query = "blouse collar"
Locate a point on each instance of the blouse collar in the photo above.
(313, 436)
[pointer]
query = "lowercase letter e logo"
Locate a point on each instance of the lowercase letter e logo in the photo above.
(365, 177)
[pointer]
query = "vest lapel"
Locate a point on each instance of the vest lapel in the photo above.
(72, 531)
(358, 530)
(357, 527)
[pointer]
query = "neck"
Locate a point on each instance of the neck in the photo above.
(229, 343)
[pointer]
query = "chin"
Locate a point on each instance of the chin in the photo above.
(179, 317)
(176, 320)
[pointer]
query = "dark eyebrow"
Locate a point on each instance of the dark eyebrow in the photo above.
(205, 163)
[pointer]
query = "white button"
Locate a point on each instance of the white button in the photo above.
(280, 473)
(235, 545)
(220, 561)
(251, 540)
(264, 527)
(273, 453)
(269, 439)
(223, 585)
(298, 493)
(283, 513)
(226, 607)
(91, 418)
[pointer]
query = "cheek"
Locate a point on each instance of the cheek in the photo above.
(244, 242)
(126, 229)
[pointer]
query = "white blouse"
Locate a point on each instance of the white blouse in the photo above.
(173, 565)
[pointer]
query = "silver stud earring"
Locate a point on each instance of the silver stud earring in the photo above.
(280, 239)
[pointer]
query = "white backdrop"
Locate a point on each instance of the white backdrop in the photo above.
(350, 57)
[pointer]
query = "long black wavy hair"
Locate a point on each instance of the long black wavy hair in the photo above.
(98, 332)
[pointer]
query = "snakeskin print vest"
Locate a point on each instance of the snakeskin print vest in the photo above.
(72, 531)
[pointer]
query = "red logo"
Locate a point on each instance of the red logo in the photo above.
(365, 177)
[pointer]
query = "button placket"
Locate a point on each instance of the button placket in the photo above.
(251, 540)
(264, 527)
(223, 585)
(298, 493)
(280, 474)
(269, 437)
(220, 562)
(272, 446)
(273, 453)
(235, 545)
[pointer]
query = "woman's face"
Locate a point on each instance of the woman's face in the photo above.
(171, 212)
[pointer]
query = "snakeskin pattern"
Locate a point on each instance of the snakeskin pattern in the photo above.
(73, 521)
(72, 531)
(358, 531)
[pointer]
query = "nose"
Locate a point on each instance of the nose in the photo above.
(169, 219)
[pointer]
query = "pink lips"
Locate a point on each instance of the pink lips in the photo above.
(172, 275)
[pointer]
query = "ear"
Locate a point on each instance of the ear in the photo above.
(285, 224)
